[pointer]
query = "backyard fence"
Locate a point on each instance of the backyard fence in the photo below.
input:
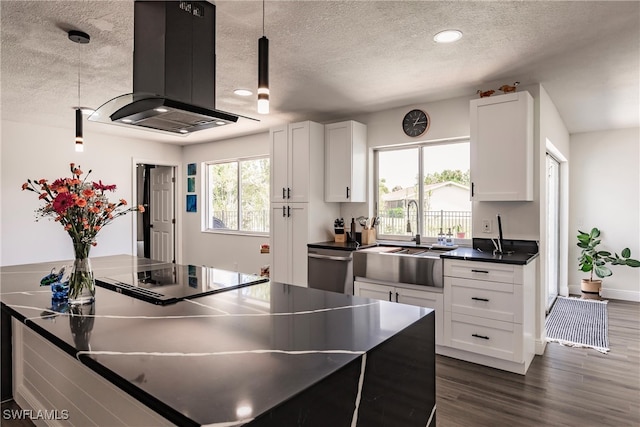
(433, 221)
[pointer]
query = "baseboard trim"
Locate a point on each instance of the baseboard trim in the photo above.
(617, 294)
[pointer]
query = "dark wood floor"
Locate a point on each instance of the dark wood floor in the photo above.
(565, 387)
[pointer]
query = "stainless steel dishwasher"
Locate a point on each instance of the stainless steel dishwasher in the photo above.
(330, 270)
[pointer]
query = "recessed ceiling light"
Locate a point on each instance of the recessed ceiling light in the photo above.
(161, 110)
(448, 36)
(243, 92)
(127, 121)
(221, 123)
(183, 131)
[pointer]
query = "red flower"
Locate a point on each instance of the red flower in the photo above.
(100, 186)
(62, 202)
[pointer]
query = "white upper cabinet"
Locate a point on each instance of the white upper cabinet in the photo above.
(345, 162)
(293, 148)
(502, 147)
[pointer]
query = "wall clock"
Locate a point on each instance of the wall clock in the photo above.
(416, 123)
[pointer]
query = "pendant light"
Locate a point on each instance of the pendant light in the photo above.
(263, 71)
(80, 38)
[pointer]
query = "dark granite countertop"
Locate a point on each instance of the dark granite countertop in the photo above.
(196, 361)
(471, 254)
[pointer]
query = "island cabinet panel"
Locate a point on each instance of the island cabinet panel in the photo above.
(502, 147)
(345, 162)
(48, 379)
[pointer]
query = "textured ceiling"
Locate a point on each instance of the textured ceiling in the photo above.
(337, 59)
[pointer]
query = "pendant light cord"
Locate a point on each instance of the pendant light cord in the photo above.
(262, 18)
(78, 75)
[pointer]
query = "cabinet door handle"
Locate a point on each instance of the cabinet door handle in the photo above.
(284, 212)
(347, 192)
(396, 297)
(480, 271)
(484, 337)
(288, 193)
(288, 210)
(473, 189)
(390, 293)
(283, 193)
(479, 299)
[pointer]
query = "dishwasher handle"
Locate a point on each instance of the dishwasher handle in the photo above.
(330, 257)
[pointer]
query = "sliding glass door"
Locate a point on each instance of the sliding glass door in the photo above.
(553, 229)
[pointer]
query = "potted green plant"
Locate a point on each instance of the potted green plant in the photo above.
(592, 261)
(459, 233)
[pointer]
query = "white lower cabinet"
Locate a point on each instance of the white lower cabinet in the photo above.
(289, 234)
(489, 315)
(404, 294)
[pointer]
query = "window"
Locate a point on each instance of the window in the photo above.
(238, 195)
(424, 188)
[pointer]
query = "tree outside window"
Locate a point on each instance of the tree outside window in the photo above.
(238, 195)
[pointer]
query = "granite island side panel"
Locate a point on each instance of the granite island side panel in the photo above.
(262, 355)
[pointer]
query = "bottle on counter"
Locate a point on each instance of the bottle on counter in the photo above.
(441, 238)
(353, 230)
(449, 239)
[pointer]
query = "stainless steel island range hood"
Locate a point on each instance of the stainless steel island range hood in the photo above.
(173, 71)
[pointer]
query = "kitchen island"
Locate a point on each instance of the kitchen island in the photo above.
(267, 354)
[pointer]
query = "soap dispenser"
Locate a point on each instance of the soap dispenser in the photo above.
(449, 240)
(441, 238)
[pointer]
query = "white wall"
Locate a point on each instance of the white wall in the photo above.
(605, 193)
(234, 252)
(33, 151)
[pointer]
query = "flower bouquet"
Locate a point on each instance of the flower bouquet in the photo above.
(83, 209)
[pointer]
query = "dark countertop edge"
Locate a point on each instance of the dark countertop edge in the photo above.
(493, 260)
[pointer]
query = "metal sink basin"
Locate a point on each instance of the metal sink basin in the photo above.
(410, 251)
(417, 266)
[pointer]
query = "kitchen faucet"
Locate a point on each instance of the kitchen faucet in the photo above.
(417, 236)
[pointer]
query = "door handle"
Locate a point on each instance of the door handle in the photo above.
(288, 193)
(479, 299)
(284, 214)
(347, 192)
(396, 297)
(479, 271)
(390, 293)
(473, 188)
(288, 211)
(283, 194)
(332, 258)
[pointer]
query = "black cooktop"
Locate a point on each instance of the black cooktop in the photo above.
(175, 283)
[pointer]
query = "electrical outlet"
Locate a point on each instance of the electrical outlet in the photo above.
(486, 226)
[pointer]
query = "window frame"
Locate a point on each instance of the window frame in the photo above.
(376, 194)
(207, 228)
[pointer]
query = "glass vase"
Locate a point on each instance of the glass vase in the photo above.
(82, 285)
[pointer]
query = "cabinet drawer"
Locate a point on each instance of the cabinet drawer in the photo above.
(491, 300)
(493, 338)
(488, 271)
